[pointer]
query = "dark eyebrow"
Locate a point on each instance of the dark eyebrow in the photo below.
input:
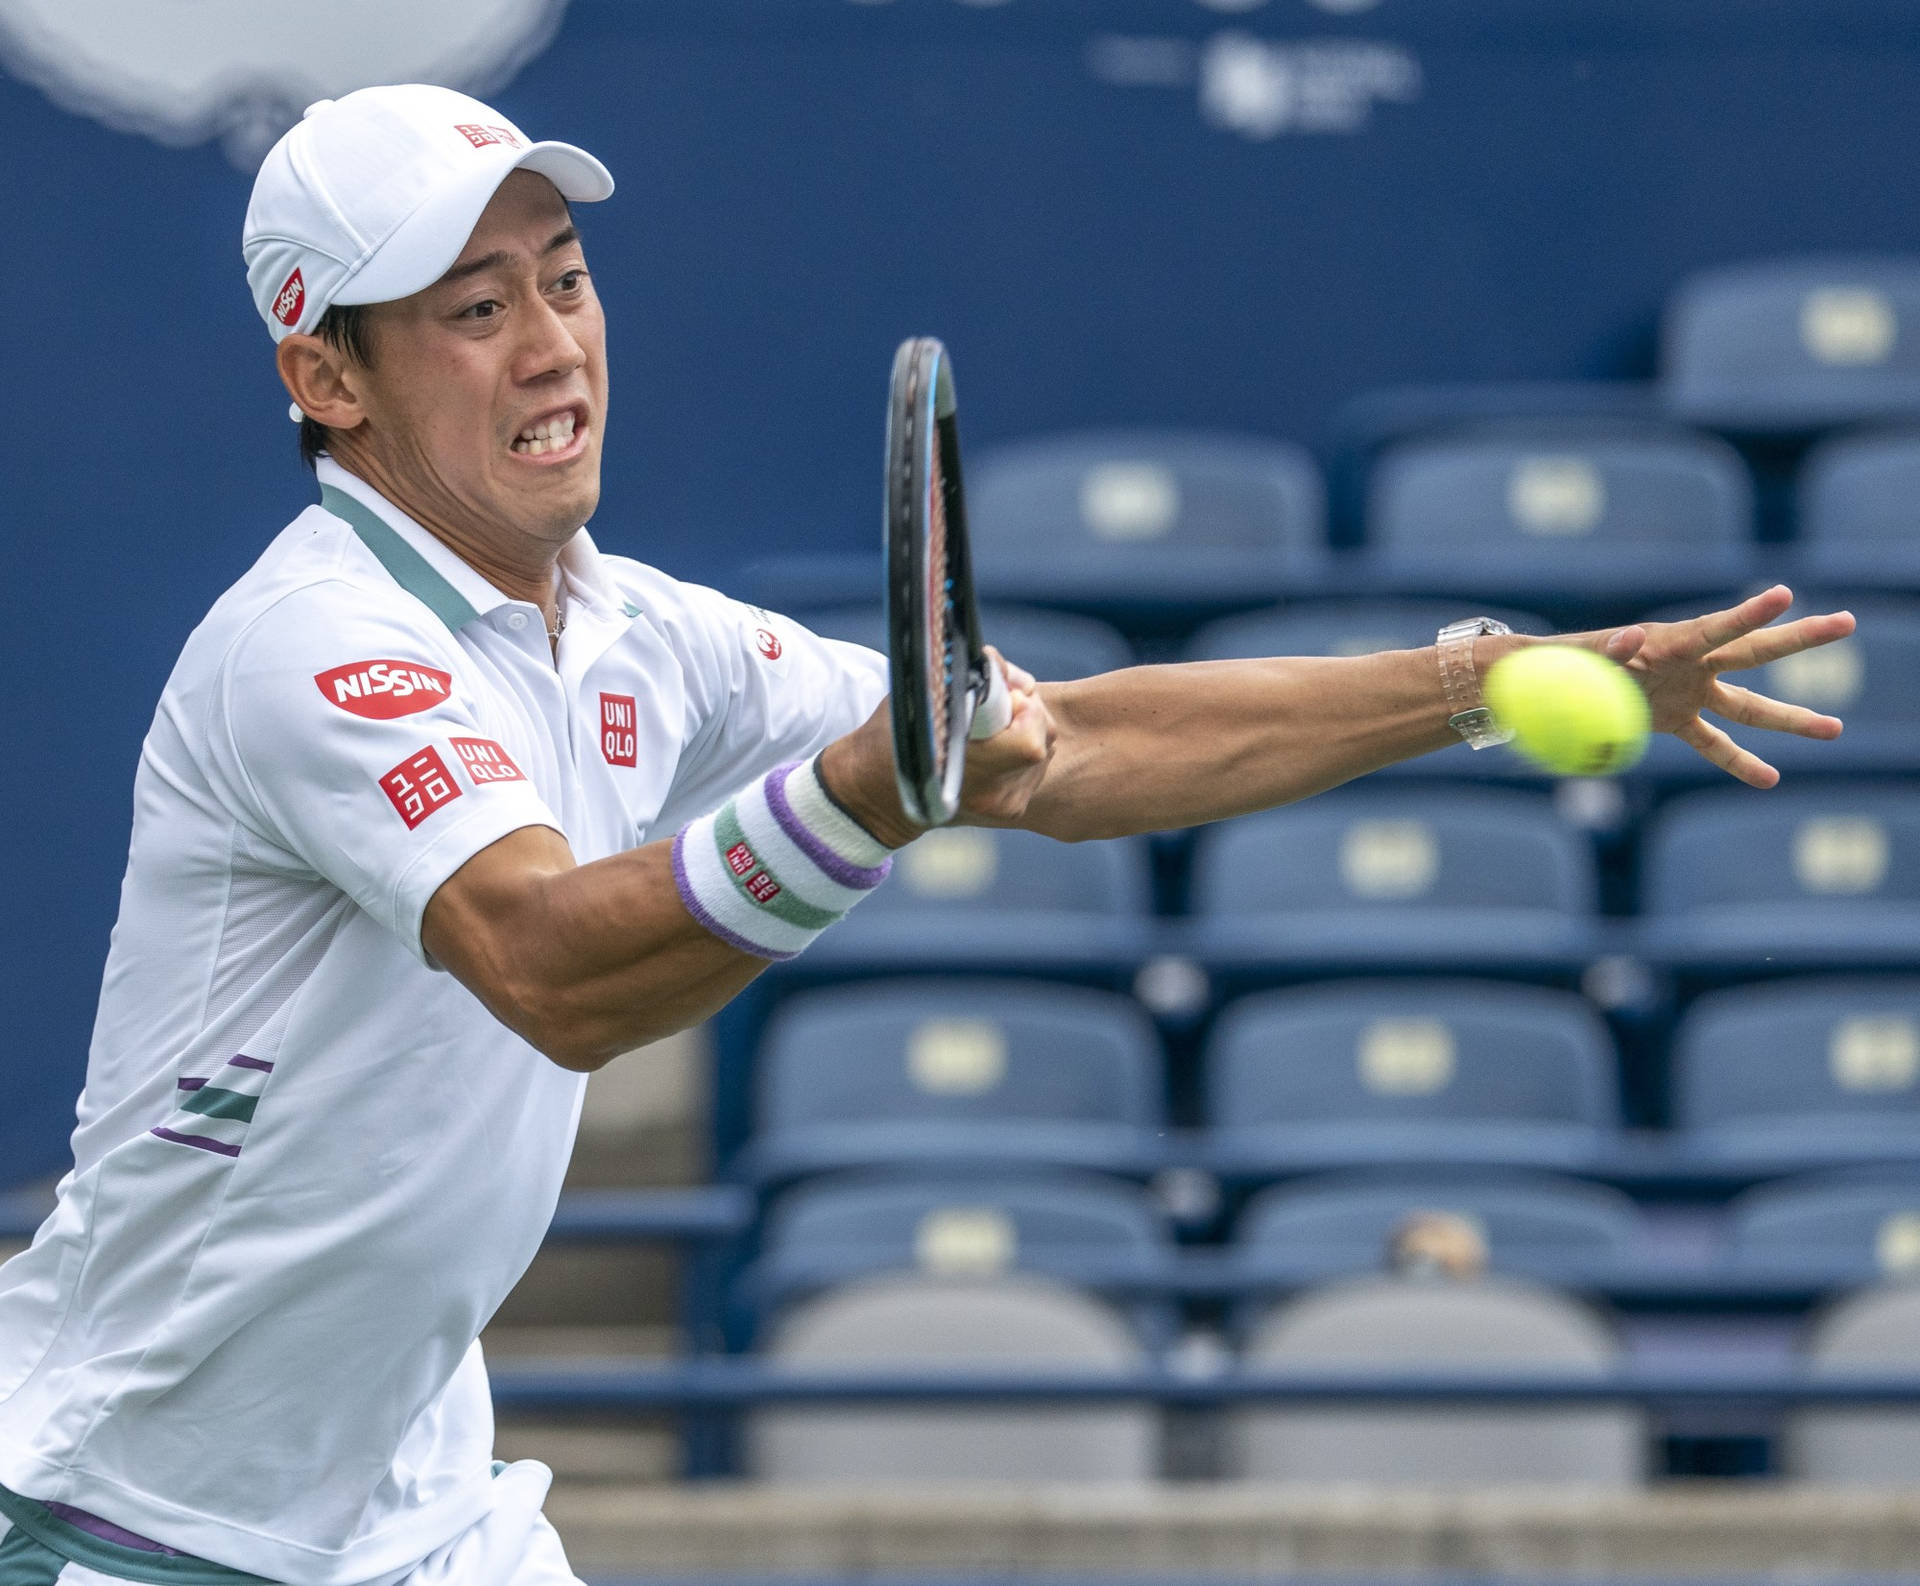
(492, 261)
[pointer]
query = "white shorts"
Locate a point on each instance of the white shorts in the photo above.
(514, 1545)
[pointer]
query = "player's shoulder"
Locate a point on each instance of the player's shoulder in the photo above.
(314, 589)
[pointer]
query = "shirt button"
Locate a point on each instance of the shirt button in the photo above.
(516, 620)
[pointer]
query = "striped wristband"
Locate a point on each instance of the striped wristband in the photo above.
(776, 864)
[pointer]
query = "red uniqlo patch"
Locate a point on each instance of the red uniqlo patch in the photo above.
(419, 785)
(486, 761)
(740, 859)
(616, 728)
(291, 298)
(762, 888)
(480, 136)
(382, 690)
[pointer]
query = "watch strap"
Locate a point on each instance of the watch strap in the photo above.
(1467, 711)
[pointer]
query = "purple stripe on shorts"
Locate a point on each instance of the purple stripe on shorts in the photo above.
(106, 1530)
(188, 1082)
(199, 1140)
(250, 1062)
(698, 910)
(859, 878)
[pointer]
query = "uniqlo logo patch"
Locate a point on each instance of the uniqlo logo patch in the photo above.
(740, 859)
(481, 136)
(616, 728)
(419, 785)
(384, 690)
(486, 761)
(291, 298)
(762, 888)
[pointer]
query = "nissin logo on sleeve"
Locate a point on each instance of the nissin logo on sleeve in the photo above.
(382, 690)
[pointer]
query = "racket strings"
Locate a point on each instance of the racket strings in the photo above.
(940, 667)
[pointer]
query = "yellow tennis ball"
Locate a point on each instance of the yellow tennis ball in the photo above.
(1573, 712)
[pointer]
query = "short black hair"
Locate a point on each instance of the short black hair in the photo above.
(346, 327)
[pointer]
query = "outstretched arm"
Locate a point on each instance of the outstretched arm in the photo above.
(1159, 747)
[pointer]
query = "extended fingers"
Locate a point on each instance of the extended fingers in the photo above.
(1710, 742)
(1757, 710)
(1703, 635)
(1790, 638)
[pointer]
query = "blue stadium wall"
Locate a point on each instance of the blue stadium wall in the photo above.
(1477, 189)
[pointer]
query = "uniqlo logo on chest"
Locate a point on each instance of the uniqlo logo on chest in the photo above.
(291, 299)
(485, 760)
(480, 136)
(617, 729)
(419, 785)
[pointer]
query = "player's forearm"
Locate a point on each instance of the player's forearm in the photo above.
(584, 961)
(1154, 748)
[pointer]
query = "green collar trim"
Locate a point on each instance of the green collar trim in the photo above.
(110, 1558)
(409, 569)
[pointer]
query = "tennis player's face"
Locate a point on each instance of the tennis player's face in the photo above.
(488, 391)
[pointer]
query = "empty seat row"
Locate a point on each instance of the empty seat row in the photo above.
(972, 1073)
(1825, 876)
(1813, 1234)
(1587, 508)
(1019, 1325)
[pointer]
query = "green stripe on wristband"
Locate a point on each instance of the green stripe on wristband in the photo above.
(729, 835)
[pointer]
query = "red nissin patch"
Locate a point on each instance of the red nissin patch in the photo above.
(419, 785)
(485, 760)
(382, 690)
(617, 729)
(291, 299)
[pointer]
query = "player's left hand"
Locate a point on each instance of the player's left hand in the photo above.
(1679, 664)
(1005, 771)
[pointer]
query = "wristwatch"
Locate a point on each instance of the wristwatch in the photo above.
(1468, 713)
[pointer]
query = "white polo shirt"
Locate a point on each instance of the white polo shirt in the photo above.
(309, 1165)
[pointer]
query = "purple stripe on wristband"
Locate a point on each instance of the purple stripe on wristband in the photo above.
(684, 886)
(855, 877)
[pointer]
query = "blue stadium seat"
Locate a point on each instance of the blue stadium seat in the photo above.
(1558, 510)
(1096, 1233)
(1801, 1073)
(1397, 878)
(1146, 519)
(1794, 345)
(1830, 1231)
(1870, 680)
(1054, 646)
(1857, 524)
(1535, 1225)
(967, 897)
(956, 1073)
(1734, 879)
(1410, 1072)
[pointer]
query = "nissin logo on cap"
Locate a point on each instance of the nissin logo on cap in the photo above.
(480, 137)
(292, 298)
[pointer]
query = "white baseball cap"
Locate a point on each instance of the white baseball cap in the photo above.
(371, 197)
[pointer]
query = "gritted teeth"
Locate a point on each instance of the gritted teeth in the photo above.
(549, 435)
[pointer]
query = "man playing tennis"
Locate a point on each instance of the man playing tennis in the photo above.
(442, 808)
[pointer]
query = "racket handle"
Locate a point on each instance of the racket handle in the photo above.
(993, 713)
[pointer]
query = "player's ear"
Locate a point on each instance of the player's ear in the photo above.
(322, 381)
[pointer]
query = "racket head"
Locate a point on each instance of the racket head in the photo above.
(933, 632)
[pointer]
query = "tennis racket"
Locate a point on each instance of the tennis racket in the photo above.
(945, 692)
